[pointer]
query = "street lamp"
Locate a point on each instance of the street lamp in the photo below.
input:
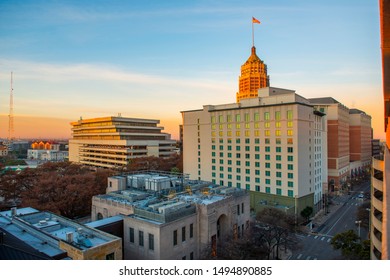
(358, 223)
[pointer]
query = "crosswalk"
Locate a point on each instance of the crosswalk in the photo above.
(325, 238)
(316, 238)
(299, 257)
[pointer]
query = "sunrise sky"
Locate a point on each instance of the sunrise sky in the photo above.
(153, 59)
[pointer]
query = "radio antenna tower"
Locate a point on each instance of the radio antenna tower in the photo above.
(11, 113)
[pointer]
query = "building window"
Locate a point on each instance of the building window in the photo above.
(151, 242)
(247, 178)
(278, 149)
(278, 157)
(290, 149)
(279, 174)
(266, 116)
(183, 234)
(267, 157)
(257, 188)
(290, 132)
(289, 114)
(229, 118)
(277, 115)
(257, 140)
(279, 191)
(267, 173)
(141, 238)
(110, 256)
(290, 167)
(290, 141)
(174, 237)
(278, 166)
(290, 184)
(257, 117)
(191, 230)
(257, 149)
(238, 209)
(238, 118)
(238, 177)
(278, 182)
(267, 133)
(268, 149)
(247, 187)
(290, 175)
(267, 190)
(277, 132)
(290, 193)
(267, 165)
(290, 158)
(257, 180)
(247, 117)
(131, 230)
(268, 181)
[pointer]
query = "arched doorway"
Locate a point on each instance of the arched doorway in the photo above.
(222, 227)
(99, 216)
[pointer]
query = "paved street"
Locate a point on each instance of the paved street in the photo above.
(341, 217)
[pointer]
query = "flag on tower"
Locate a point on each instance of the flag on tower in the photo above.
(254, 20)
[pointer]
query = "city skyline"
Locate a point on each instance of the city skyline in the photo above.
(153, 60)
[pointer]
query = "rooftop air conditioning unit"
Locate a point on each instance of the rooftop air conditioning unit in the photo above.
(69, 237)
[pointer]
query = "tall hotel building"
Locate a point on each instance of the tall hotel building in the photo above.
(380, 171)
(270, 144)
(112, 142)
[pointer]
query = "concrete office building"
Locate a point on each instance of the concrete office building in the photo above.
(380, 178)
(271, 145)
(49, 236)
(168, 216)
(112, 141)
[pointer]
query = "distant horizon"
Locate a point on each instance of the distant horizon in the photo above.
(77, 58)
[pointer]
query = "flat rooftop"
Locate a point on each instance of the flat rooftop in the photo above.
(44, 231)
(164, 204)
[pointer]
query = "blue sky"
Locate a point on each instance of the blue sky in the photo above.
(153, 59)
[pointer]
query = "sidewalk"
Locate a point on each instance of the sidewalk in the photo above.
(320, 218)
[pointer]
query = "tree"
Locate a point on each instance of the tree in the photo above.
(306, 213)
(154, 163)
(248, 247)
(350, 245)
(275, 228)
(63, 188)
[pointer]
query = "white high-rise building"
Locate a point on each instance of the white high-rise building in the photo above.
(272, 145)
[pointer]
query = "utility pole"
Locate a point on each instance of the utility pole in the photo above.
(358, 223)
(11, 113)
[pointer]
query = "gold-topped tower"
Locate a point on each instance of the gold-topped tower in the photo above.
(253, 76)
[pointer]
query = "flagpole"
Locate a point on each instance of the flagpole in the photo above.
(253, 35)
